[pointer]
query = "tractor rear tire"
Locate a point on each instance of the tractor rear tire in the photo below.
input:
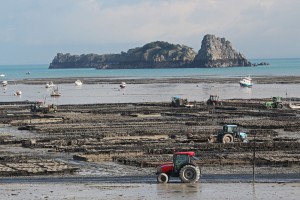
(189, 174)
(162, 178)
(280, 106)
(227, 138)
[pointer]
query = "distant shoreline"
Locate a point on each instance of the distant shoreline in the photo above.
(183, 80)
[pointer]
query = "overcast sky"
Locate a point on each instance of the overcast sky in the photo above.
(33, 31)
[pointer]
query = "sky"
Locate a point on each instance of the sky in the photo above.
(34, 31)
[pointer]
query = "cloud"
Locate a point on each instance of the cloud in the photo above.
(85, 23)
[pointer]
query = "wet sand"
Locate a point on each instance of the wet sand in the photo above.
(234, 191)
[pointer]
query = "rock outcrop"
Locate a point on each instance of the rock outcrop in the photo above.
(214, 52)
(152, 55)
(218, 52)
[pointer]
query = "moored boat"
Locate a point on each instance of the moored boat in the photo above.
(55, 93)
(18, 92)
(246, 82)
(78, 83)
(294, 105)
(2, 75)
(49, 84)
(4, 83)
(123, 85)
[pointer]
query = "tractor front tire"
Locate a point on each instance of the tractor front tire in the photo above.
(227, 138)
(212, 139)
(162, 178)
(189, 174)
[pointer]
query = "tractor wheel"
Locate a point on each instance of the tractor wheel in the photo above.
(162, 178)
(280, 106)
(189, 174)
(227, 138)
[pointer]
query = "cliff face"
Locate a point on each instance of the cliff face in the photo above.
(214, 52)
(218, 52)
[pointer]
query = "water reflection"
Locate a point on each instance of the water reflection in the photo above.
(179, 189)
(253, 191)
(247, 92)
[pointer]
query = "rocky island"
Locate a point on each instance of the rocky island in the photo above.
(214, 52)
(218, 52)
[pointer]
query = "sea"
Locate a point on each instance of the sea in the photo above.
(111, 93)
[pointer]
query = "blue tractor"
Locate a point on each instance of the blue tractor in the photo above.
(229, 134)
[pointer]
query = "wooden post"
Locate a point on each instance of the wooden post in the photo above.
(253, 160)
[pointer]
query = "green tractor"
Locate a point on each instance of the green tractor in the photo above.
(275, 103)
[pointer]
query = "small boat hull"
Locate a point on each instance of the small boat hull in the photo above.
(78, 83)
(18, 93)
(246, 85)
(55, 93)
(49, 85)
(123, 85)
(4, 83)
(294, 106)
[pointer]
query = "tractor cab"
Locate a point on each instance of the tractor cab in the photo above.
(182, 166)
(277, 99)
(214, 101)
(180, 159)
(214, 98)
(230, 133)
(232, 129)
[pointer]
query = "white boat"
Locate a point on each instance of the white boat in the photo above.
(246, 82)
(4, 83)
(55, 93)
(50, 84)
(18, 93)
(294, 106)
(78, 83)
(2, 75)
(123, 85)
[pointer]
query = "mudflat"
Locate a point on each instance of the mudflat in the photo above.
(112, 140)
(145, 135)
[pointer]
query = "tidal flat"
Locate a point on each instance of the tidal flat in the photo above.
(107, 145)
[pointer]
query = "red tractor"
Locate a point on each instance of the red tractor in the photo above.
(182, 167)
(214, 101)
